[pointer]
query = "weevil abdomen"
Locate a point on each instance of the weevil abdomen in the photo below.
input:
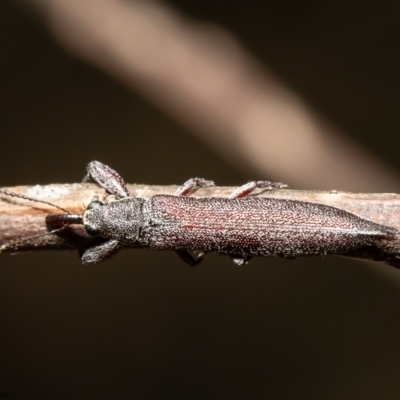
(254, 226)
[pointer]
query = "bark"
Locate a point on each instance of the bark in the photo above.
(23, 227)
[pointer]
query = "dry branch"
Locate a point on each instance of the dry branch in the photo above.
(22, 222)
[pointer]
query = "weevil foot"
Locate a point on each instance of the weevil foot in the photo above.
(189, 259)
(190, 185)
(239, 260)
(107, 178)
(246, 189)
(100, 252)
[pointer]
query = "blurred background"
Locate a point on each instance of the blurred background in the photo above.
(301, 92)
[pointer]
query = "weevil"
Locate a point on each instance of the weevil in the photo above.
(240, 226)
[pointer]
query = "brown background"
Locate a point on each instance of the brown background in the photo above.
(144, 325)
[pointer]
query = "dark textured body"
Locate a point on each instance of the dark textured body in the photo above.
(244, 227)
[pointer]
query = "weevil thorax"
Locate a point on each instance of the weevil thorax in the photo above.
(121, 220)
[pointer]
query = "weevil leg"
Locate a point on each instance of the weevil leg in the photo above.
(188, 187)
(246, 189)
(239, 260)
(189, 259)
(100, 252)
(107, 178)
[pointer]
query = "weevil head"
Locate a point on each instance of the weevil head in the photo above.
(121, 220)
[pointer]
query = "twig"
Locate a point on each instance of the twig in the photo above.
(22, 222)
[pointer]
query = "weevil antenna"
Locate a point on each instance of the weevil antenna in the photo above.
(17, 242)
(22, 196)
